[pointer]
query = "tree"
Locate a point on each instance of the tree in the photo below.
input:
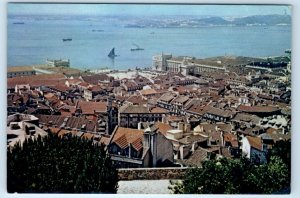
(60, 165)
(282, 149)
(234, 176)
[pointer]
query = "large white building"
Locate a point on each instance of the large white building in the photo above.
(160, 61)
(58, 63)
(185, 65)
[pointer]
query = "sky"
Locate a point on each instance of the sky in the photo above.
(143, 9)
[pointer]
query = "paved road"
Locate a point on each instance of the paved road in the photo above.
(144, 187)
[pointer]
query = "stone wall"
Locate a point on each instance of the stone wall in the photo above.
(151, 173)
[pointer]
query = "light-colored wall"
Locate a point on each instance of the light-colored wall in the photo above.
(246, 148)
(87, 95)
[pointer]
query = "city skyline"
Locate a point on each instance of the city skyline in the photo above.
(196, 99)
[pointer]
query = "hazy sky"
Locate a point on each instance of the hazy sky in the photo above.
(142, 9)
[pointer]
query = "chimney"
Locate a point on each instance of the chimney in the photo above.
(176, 155)
(164, 119)
(150, 141)
(222, 138)
(146, 140)
(187, 138)
(129, 150)
(139, 125)
(193, 147)
(181, 152)
(187, 128)
(216, 128)
(201, 129)
(180, 126)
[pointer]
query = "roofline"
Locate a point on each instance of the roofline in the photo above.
(113, 134)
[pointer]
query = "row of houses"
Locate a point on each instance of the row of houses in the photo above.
(167, 118)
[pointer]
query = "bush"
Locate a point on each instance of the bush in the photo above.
(60, 165)
(235, 176)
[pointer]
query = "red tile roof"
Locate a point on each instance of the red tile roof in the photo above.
(255, 142)
(135, 109)
(94, 79)
(136, 100)
(229, 137)
(163, 127)
(217, 111)
(175, 118)
(92, 107)
(137, 144)
(88, 136)
(159, 110)
(54, 129)
(122, 142)
(20, 69)
(148, 92)
(125, 136)
(257, 109)
(180, 99)
(60, 87)
(105, 140)
(74, 81)
(36, 80)
(167, 97)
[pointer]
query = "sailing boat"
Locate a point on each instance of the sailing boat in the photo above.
(112, 53)
(137, 47)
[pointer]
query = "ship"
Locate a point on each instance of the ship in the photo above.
(97, 30)
(67, 39)
(137, 48)
(112, 53)
(19, 23)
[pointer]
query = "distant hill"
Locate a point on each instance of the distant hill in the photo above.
(175, 21)
(263, 19)
(249, 20)
(212, 21)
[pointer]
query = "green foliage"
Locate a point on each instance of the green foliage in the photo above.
(282, 149)
(176, 187)
(60, 165)
(235, 176)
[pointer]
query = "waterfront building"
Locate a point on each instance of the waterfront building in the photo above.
(185, 65)
(58, 63)
(159, 62)
(20, 71)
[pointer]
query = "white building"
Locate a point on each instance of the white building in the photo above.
(185, 65)
(254, 149)
(22, 126)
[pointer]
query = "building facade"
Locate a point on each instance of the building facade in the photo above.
(131, 115)
(185, 65)
(135, 148)
(20, 71)
(58, 63)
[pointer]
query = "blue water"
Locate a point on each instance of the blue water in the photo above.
(37, 40)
